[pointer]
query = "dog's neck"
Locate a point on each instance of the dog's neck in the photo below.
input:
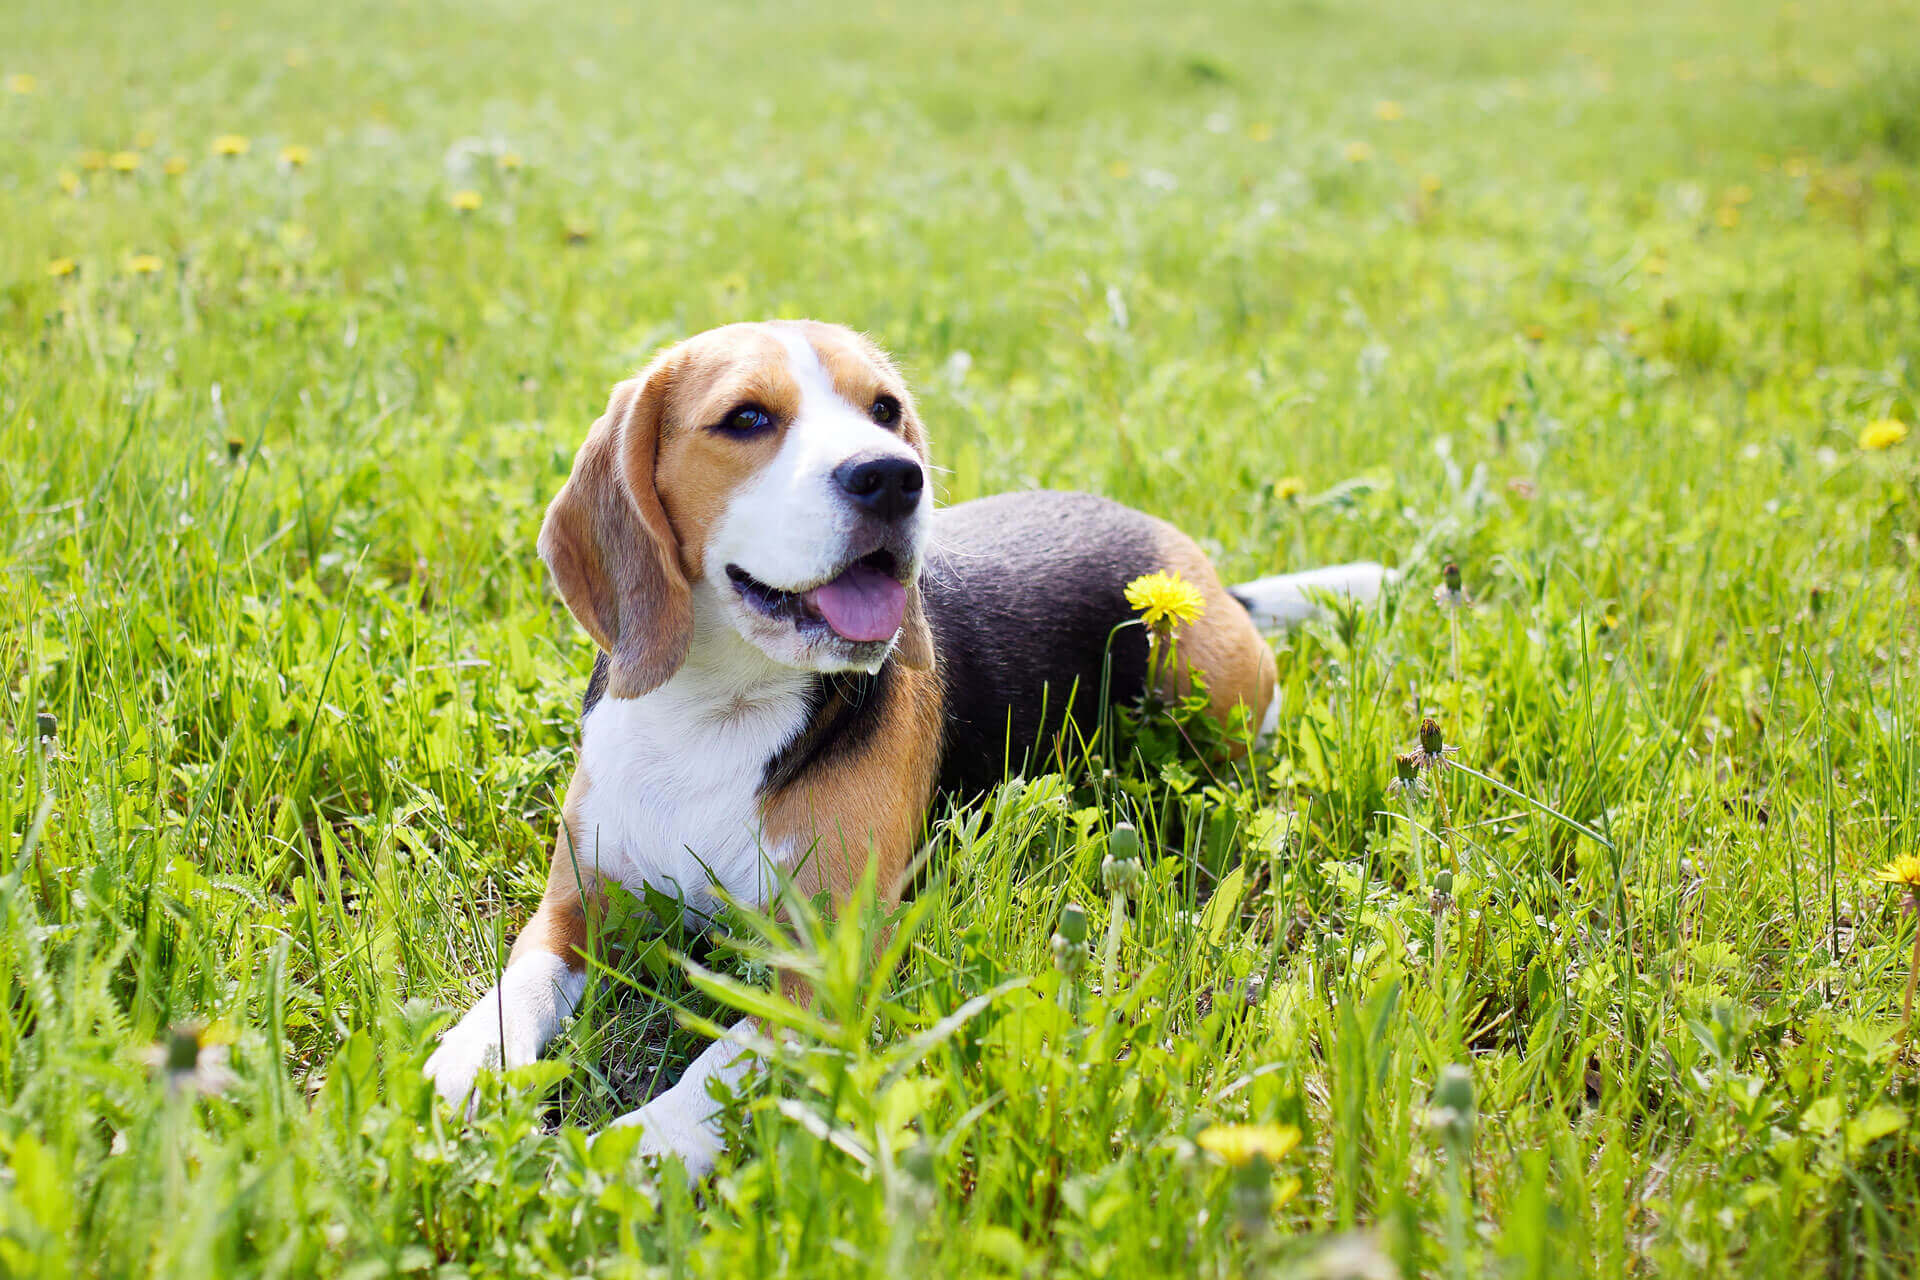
(726, 682)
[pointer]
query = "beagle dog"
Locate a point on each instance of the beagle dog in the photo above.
(797, 654)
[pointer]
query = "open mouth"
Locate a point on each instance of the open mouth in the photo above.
(864, 603)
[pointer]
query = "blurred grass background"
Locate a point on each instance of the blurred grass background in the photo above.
(1595, 299)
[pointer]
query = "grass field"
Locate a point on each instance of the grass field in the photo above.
(1597, 303)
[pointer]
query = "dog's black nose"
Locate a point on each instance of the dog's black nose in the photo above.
(887, 486)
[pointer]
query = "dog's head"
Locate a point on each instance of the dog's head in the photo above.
(770, 479)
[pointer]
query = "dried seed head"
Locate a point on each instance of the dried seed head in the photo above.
(48, 726)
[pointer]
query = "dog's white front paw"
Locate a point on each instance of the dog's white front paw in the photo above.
(471, 1045)
(508, 1027)
(673, 1125)
(685, 1120)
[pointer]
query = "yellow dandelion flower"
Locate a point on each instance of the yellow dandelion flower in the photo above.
(1903, 870)
(1656, 264)
(231, 145)
(1388, 110)
(21, 82)
(510, 162)
(295, 156)
(69, 182)
(1884, 434)
(1259, 132)
(1242, 1144)
(1535, 333)
(1429, 184)
(124, 161)
(465, 201)
(93, 161)
(144, 264)
(1119, 169)
(294, 58)
(1359, 152)
(1728, 217)
(1166, 596)
(1287, 488)
(1739, 193)
(143, 140)
(578, 232)
(1796, 167)
(62, 267)
(175, 166)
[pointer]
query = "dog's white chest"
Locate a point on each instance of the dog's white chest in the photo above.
(672, 785)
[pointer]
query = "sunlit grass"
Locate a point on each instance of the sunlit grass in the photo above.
(304, 310)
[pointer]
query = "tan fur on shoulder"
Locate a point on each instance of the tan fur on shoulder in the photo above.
(868, 805)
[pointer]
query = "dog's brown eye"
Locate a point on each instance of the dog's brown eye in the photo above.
(743, 421)
(885, 411)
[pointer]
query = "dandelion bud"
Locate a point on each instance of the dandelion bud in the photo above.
(181, 1049)
(1120, 870)
(1433, 750)
(1453, 1104)
(1070, 949)
(1073, 922)
(1406, 769)
(1120, 875)
(49, 727)
(920, 1162)
(1450, 594)
(1443, 883)
(234, 446)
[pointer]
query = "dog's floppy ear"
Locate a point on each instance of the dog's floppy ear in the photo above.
(609, 546)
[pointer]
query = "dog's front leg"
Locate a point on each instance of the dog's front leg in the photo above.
(539, 990)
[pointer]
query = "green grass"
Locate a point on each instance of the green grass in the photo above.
(1600, 316)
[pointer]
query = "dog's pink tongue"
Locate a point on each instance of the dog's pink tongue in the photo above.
(861, 604)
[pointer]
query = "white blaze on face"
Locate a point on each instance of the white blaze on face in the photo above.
(792, 526)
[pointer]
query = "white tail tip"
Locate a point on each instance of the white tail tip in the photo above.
(1288, 599)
